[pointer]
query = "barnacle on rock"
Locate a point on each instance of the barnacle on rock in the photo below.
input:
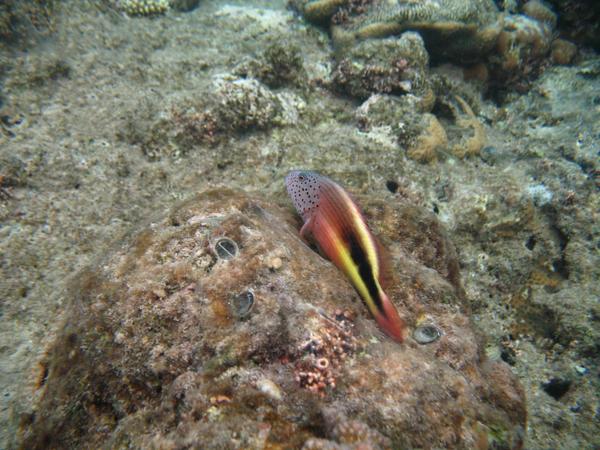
(151, 352)
(242, 304)
(324, 353)
(426, 334)
(225, 248)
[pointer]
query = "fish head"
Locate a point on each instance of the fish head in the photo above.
(303, 187)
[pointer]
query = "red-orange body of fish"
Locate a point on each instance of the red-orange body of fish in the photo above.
(339, 228)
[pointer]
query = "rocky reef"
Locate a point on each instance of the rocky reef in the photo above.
(213, 314)
(401, 48)
(508, 48)
(455, 29)
(217, 324)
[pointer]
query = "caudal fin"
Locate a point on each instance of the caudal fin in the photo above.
(390, 321)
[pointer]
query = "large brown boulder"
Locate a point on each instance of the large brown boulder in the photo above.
(181, 339)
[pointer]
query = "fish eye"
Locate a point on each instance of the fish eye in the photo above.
(301, 177)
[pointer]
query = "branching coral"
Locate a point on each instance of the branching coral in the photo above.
(466, 120)
(429, 141)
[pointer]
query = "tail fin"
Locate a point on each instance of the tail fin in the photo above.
(389, 320)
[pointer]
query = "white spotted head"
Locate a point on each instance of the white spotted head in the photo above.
(304, 188)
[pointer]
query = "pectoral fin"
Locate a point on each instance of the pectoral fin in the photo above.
(306, 229)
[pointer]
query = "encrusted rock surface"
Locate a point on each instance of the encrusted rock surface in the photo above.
(155, 352)
(453, 28)
(390, 66)
(506, 48)
(99, 130)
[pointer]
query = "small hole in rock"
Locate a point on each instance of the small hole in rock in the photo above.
(560, 267)
(556, 387)
(392, 186)
(530, 244)
(42, 376)
(508, 355)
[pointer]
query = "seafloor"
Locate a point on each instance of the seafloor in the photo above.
(110, 120)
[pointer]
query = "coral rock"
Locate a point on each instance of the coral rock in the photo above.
(153, 355)
(456, 29)
(384, 66)
(563, 52)
(540, 12)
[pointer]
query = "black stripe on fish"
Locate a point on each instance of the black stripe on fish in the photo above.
(364, 268)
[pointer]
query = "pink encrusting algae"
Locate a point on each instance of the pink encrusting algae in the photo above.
(339, 228)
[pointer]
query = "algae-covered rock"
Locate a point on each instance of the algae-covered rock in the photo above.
(279, 65)
(318, 11)
(384, 66)
(421, 133)
(217, 327)
(230, 107)
(24, 21)
(521, 48)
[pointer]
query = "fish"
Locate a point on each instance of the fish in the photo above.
(339, 228)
